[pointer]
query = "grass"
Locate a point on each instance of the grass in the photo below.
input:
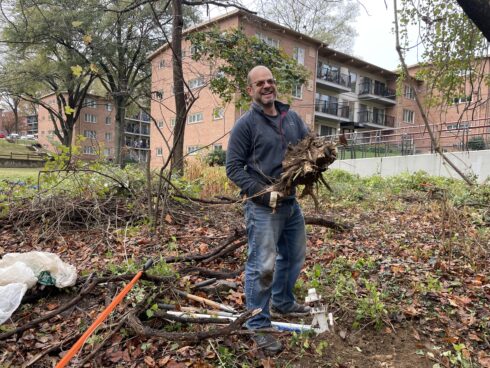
(19, 173)
(6, 147)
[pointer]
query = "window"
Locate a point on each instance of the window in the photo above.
(90, 134)
(195, 118)
(159, 151)
(218, 113)
(108, 136)
(353, 81)
(408, 116)
(160, 124)
(299, 55)
(172, 122)
(326, 130)
(458, 126)
(192, 50)
(161, 64)
(107, 120)
(89, 102)
(218, 147)
(108, 107)
(159, 94)
(268, 40)
(89, 150)
(107, 151)
(297, 91)
(192, 150)
(461, 99)
(89, 118)
(195, 83)
(409, 92)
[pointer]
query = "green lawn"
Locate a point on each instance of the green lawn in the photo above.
(21, 147)
(19, 174)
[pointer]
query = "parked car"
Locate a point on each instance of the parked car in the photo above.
(2, 135)
(31, 137)
(13, 136)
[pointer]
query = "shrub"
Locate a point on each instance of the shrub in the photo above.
(216, 157)
(476, 143)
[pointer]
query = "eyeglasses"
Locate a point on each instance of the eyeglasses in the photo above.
(261, 83)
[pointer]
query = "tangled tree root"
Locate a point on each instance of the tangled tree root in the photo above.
(304, 164)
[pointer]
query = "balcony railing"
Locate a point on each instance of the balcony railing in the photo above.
(332, 108)
(378, 90)
(376, 118)
(334, 76)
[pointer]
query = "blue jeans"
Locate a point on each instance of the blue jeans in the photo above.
(276, 253)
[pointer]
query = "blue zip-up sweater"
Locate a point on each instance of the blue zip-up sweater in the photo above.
(257, 146)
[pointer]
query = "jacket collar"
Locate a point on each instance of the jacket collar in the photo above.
(280, 107)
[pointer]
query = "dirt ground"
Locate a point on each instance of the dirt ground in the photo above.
(420, 324)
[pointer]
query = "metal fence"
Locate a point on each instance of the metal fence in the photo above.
(451, 137)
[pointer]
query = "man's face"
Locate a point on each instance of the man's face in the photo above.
(262, 88)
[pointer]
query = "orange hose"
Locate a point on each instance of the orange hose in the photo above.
(78, 345)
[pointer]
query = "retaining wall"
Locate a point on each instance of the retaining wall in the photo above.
(471, 162)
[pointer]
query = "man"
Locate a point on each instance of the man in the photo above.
(275, 223)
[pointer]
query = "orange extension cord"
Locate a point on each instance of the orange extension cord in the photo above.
(78, 345)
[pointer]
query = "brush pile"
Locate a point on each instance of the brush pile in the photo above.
(304, 164)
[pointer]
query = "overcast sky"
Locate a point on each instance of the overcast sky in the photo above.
(375, 42)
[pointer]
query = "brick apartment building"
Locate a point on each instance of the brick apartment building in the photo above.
(96, 124)
(345, 94)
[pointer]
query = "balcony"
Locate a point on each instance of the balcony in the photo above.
(334, 79)
(377, 93)
(375, 120)
(332, 110)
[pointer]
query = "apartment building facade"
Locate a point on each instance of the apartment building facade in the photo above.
(94, 131)
(344, 94)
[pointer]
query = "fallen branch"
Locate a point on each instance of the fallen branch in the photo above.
(192, 337)
(320, 221)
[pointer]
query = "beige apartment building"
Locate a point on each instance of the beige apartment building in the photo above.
(344, 95)
(96, 128)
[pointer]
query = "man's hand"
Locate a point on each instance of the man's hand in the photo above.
(269, 197)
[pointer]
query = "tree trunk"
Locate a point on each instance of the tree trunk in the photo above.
(479, 12)
(119, 103)
(177, 163)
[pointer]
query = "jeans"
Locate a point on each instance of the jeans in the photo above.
(276, 253)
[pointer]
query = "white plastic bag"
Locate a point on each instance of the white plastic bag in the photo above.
(10, 297)
(17, 272)
(64, 273)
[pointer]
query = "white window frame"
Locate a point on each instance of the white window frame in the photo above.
(90, 118)
(299, 55)
(90, 134)
(160, 124)
(159, 151)
(161, 64)
(108, 120)
(294, 91)
(90, 103)
(409, 92)
(108, 106)
(196, 82)
(89, 150)
(268, 40)
(197, 117)
(218, 113)
(408, 116)
(172, 122)
(193, 150)
(108, 136)
(107, 152)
